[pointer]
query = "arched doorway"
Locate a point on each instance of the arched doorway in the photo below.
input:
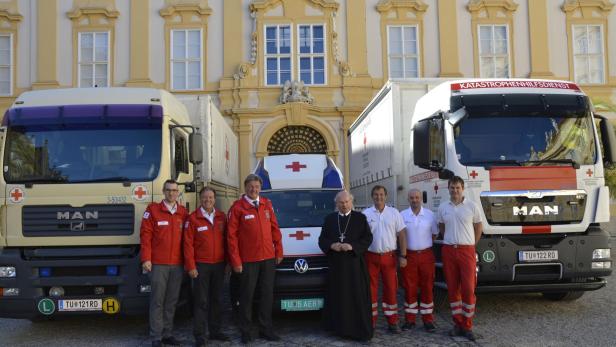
(296, 139)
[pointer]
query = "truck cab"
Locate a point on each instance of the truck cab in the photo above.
(530, 155)
(302, 188)
(79, 167)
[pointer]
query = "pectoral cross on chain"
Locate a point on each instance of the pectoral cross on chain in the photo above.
(341, 238)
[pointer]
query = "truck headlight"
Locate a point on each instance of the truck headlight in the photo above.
(10, 291)
(7, 271)
(601, 253)
(597, 265)
(145, 288)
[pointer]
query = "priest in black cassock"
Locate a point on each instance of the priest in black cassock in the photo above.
(345, 237)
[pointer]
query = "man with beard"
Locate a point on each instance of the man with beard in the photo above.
(344, 238)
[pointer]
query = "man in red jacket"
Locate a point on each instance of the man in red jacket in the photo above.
(205, 235)
(161, 256)
(255, 247)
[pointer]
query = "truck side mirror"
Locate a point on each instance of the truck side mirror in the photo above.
(609, 140)
(429, 143)
(421, 144)
(195, 143)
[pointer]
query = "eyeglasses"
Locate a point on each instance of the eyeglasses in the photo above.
(172, 190)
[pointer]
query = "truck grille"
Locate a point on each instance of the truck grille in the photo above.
(90, 220)
(534, 207)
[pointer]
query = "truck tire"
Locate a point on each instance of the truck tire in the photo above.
(563, 296)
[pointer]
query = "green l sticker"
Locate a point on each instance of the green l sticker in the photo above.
(46, 306)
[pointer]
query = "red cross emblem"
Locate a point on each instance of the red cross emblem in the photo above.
(473, 174)
(139, 192)
(589, 173)
(299, 235)
(16, 195)
(296, 166)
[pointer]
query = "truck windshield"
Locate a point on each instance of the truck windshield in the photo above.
(526, 139)
(302, 208)
(52, 154)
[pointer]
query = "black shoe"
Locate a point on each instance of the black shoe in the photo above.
(394, 329)
(171, 341)
(269, 336)
(199, 342)
(157, 343)
(219, 337)
(246, 338)
(469, 335)
(456, 331)
(429, 326)
(408, 326)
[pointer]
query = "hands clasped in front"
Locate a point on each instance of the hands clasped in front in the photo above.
(341, 247)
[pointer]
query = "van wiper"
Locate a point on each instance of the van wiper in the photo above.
(492, 162)
(41, 180)
(572, 162)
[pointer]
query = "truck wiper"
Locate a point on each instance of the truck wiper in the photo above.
(41, 180)
(108, 179)
(572, 162)
(493, 162)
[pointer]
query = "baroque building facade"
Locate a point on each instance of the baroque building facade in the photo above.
(293, 75)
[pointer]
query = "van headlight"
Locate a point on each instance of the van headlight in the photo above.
(601, 253)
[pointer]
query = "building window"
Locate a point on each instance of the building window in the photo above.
(403, 51)
(311, 53)
(6, 64)
(93, 59)
(277, 54)
(494, 51)
(186, 59)
(588, 54)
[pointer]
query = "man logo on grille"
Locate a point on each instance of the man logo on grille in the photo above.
(78, 226)
(301, 266)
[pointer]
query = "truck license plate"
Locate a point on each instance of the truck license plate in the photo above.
(530, 256)
(80, 305)
(301, 304)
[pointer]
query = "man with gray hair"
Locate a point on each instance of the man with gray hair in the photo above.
(421, 230)
(344, 238)
(255, 247)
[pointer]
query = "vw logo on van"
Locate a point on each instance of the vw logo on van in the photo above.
(301, 265)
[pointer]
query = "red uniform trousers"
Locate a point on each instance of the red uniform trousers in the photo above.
(385, 264)
(418, 274)
(459, 266)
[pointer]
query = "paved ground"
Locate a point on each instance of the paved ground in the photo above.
(502, 320)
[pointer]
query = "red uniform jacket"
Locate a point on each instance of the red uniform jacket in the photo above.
(204, 242)
(161, 234)
(253, 235)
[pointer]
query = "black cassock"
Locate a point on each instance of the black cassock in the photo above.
(347, 309)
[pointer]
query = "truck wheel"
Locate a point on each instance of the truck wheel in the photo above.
(563, 296)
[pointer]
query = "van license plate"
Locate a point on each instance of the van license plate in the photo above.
(301, 304)
(532, 256)
(80, 305)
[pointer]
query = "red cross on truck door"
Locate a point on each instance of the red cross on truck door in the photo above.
(16, 195)
(140, 192)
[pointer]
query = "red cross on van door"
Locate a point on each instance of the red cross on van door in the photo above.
(473, 174)
(296, 166)
(139, 192)
(299, 235)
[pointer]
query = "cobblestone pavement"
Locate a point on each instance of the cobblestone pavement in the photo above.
(502, 320)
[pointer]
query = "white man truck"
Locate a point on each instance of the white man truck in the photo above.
(302, 188)
(529, 153)
(79, 168)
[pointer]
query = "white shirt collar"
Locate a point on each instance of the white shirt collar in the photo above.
(344, 214)
(421, 211)
(251, 200)
(172, 209)
(205, 214)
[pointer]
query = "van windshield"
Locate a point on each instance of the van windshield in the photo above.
(301, 208)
